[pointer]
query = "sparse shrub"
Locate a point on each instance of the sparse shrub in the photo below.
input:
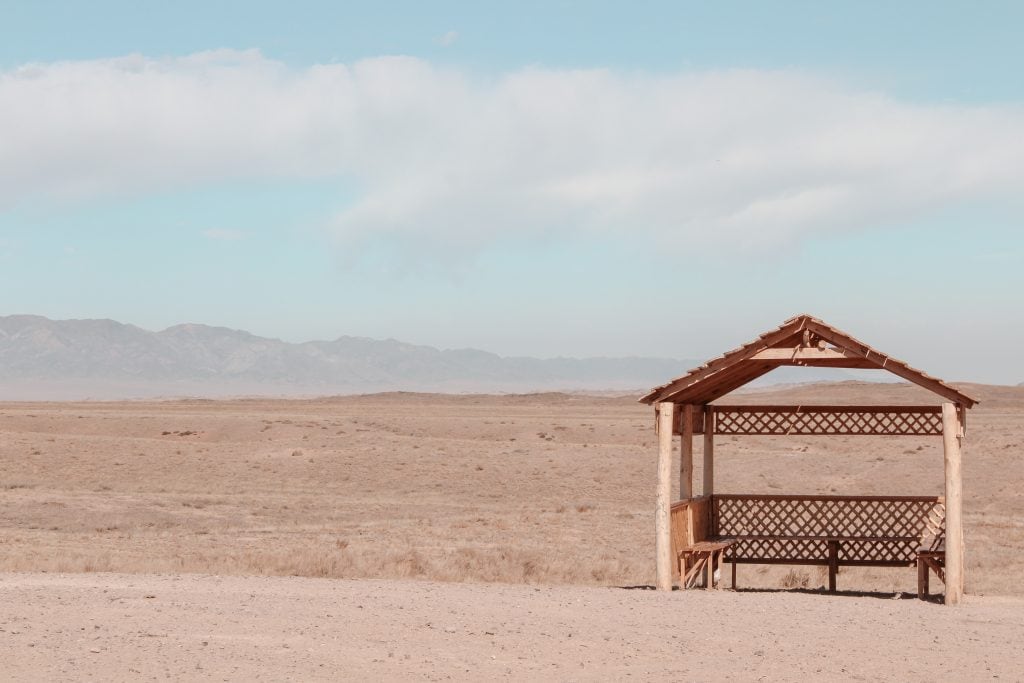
(531, 569)
(796, 579)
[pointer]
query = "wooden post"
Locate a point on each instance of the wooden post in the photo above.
(833, 564)
(662, 518)
(686, 455)
(951, 435)
(709, 451)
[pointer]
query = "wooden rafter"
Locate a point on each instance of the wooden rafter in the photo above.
(726, 381)
(728, 359)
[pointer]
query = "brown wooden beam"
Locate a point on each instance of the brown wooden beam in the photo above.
(779, 408)
(709, 451)
(686, 453)
(799, 353)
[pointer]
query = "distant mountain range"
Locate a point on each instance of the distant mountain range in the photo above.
(43, 359)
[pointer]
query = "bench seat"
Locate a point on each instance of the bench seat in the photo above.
(707, 555)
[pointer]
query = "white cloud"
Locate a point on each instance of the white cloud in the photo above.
(448, 39)
(223, 234)
(732, 157)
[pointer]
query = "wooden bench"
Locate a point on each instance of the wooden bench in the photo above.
(705, 555)
(829, 531)
(693, 546)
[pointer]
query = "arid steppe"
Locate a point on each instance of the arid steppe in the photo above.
(548, 488)
(542, 489)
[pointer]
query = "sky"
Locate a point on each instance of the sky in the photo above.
(534, 178)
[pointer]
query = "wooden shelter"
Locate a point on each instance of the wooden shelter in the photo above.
(697, 533)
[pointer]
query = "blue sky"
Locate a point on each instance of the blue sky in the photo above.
(529, 178)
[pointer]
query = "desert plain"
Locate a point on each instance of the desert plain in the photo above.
(466, 536)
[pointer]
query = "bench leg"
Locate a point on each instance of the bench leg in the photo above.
(687, 564)
(694, 567)
(734, 576)
(922, 578)
(833, 564)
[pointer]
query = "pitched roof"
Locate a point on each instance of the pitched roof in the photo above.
(802, 340)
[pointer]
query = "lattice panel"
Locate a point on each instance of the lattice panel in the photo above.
(797, 527)
(799, 550)
(816, 551)
(828, 420)
(866, 551)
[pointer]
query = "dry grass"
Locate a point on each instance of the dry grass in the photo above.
(522, 489)
(796, 578)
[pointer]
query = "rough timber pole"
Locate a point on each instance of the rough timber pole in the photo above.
(686, 454)
(662, 520)
(709, 451)
(951, 434)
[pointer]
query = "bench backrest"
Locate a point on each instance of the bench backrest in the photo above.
(691, 522)
(782, 528)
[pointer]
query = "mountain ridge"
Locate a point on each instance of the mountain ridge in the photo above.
(44, 359)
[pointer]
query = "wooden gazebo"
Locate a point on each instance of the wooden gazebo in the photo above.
(696, 534)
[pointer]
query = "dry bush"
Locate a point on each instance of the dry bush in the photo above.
(796, 579)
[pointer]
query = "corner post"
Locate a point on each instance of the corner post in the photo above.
(952, 433)
(662, 520)
(709, 451)
(686, 454)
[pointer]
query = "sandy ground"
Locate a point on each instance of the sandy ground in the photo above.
(192, 627)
